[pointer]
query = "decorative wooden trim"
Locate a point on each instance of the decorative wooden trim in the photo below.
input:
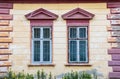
(4, 45)
(4, 11)
(6, 5)
(3, 69)
(114, 63)
(5, 52)
(41, 14)
(113, 28)
(112, 40)
(4, 34)
(116, 57)
(84, 64)
(77, 23)
(78, 14)
(41, 23)
(115, 10)
(113, 16)
(41, 65)
(114, 51)
(6, 17)
(113, 4)
(4, 23)
(55, 1)
(5, 40)
(109, 28)
(114, 75)
(5, 29)
(115, 22)
(4, 57)
(115, 34)
(5, 63)
(116, 69)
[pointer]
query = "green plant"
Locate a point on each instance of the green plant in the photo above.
(85, 75)
(76, 75)
(38, 74)
(50, 76)
(43, 75)
(20, 75)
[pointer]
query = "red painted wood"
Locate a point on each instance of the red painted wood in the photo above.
(4, 22)
(114, 63)
(113, 4)
(41, 14)
(3, 69)
(116, 57)
(114, 75)
(113, 16)
(6, 17)
(6, 5)
(116, 69)
(115, 22)
(78, 14)
(115, 33)
(54, 1)
(4, 11)
(113, 28)
(114, 51)
(115, 10)
(41, 22)
(77, 22)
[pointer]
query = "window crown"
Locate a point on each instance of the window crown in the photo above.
(41, 14)
(78, 14)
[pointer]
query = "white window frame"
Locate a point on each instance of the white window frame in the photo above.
(78, 39)
(41, 39)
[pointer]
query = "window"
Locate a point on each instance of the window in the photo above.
(78, 23)
(41, 44)
(41, 22)
(78, 43)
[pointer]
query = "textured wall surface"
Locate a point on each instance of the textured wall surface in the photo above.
(98, 45)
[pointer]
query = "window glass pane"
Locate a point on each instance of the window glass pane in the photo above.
(36, 32)
(82, 32)
(36, 50)
(46, 50)
(73, 51)
(46, 32)
(73, 32)
(82, 50)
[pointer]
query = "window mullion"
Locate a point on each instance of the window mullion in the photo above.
(86, 33)
(86, 50)
(41, 52)
(50, 51)
(78, 51)
(77, 45)
(33, 33)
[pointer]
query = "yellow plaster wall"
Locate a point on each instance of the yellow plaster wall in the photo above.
(98, 45)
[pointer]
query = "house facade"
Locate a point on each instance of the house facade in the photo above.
(60, 36)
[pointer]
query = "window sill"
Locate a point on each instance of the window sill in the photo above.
(38, 65)
(75, 64)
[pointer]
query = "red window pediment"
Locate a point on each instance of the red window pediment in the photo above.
(78, 14)
(41, 14)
